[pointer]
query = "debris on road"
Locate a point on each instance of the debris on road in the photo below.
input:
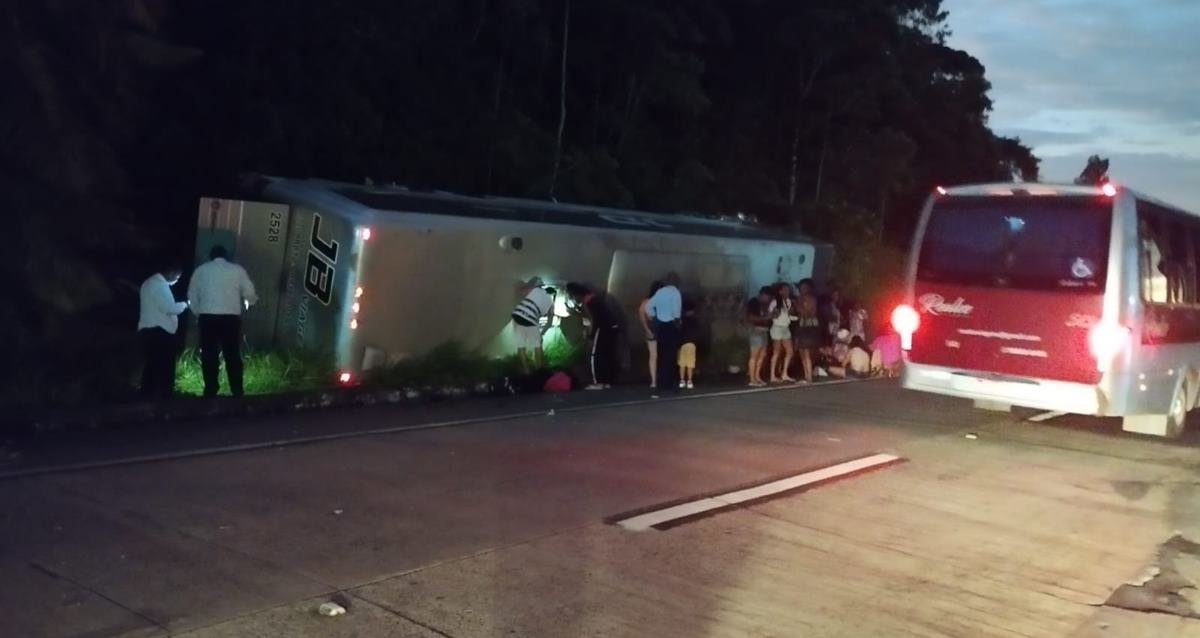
(972, 436)
(550, 413)
(338, 512)
(331, 609)
(1161, 589)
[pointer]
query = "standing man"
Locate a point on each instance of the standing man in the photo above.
(666, 308)
(606, 334)
(158, 321)
(218, 293)
(527, 329)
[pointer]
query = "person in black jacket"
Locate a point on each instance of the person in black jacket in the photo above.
(605, 335)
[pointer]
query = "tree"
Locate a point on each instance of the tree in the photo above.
(830, 116)
(1096, 171)
(562, 97)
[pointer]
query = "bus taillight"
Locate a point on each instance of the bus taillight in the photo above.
(905, 320)
(1106, 341)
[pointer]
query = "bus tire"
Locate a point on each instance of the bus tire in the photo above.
(1170, 425)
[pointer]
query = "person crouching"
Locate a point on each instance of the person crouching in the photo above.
(527, 329)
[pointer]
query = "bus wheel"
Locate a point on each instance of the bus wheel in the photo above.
(1169, 425)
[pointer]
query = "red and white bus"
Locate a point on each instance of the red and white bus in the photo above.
(1076, 299)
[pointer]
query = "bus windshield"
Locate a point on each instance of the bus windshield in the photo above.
(1037, 243)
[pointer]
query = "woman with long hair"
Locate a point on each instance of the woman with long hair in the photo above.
(808, 334)
(651, 343)
(781, 313)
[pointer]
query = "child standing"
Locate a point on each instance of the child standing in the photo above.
(690, 330)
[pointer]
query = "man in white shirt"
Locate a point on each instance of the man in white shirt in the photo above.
(218, 293)
(527, 329)
(158, 322)
(666, 309)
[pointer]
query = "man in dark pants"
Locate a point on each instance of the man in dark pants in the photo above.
(666, 309)
(158, 322)
(218, 293)
(605, 335)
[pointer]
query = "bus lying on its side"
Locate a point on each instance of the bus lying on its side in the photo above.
(1077, 299)
(377, 274)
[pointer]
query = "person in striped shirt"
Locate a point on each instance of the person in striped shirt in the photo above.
(526, 317)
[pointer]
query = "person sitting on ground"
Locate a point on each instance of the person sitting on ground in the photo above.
(782, 316)
(834, 354)
(526, 317)
(647, 328)
(856, 362)
(886, 357)
(759, 321)
(690, 336)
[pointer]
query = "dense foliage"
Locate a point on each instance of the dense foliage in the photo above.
(833, 116)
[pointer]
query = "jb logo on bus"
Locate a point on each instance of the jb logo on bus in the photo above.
(322, 258)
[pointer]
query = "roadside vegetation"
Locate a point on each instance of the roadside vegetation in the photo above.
(449, 365)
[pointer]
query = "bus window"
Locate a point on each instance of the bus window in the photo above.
(1168, 259)
(1186, 274)
(1058, 243)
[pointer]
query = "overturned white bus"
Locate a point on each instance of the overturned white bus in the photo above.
(377, 274)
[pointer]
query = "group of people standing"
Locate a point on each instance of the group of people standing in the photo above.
(791, 331)
(825, 336)
(668, 321)
(218, 293)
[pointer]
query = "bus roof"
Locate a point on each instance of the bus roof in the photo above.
(387, 204)
(1051, 190)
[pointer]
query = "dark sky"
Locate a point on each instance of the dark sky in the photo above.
(1072, 78)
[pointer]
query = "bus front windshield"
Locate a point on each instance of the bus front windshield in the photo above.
(1039, 243)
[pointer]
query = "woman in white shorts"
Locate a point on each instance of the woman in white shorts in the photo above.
(782, 316)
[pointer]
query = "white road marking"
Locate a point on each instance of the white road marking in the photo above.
(1045, 416)
(648, 520)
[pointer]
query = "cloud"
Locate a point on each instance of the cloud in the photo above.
(1111, 77)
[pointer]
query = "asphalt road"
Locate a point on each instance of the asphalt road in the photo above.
(491, 526)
